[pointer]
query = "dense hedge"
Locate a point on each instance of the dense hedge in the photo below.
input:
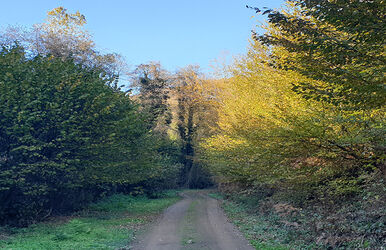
(67, 135)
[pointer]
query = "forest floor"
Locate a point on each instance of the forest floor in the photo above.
(195, 222)
(273, 224)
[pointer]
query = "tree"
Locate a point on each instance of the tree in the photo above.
(152, 87)
(66, 136)
(263, 125)
(63, 36)
(194, 110)
(152, 83)
(338, 47)
(337, 42)
(270, 135)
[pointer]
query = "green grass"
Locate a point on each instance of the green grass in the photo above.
(108, 224)
(189, 233)
(216, 195)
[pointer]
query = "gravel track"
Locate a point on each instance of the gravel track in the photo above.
(195, 222)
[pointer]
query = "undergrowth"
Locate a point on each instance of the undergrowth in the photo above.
(274, 223)
(263, 232)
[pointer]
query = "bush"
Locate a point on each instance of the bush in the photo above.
(67, 136)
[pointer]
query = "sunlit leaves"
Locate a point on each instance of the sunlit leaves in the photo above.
(339, 43)
(270, 134)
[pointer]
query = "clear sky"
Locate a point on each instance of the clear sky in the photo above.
(174, 32)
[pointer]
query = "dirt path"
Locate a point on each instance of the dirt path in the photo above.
(196, 222)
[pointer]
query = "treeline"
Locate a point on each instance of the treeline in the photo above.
(299, 119)
(305, 108)
(67, 135)
(178, 112)
(302, 118)
(70, 134)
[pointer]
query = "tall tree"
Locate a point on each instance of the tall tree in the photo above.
(63, 35)
(340, 43)
(152, 83)
(65, 134)
(193, 112)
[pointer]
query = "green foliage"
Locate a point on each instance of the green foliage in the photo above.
(108, 224)
(336, 42)
(216, 195)
(152, 82)
(67, 134)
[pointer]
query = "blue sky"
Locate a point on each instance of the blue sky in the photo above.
(176, 33)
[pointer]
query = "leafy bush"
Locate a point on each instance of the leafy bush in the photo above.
(67, 135)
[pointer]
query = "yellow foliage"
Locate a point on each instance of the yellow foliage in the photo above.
(267, 133)
(259, 96)
(263, 125)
